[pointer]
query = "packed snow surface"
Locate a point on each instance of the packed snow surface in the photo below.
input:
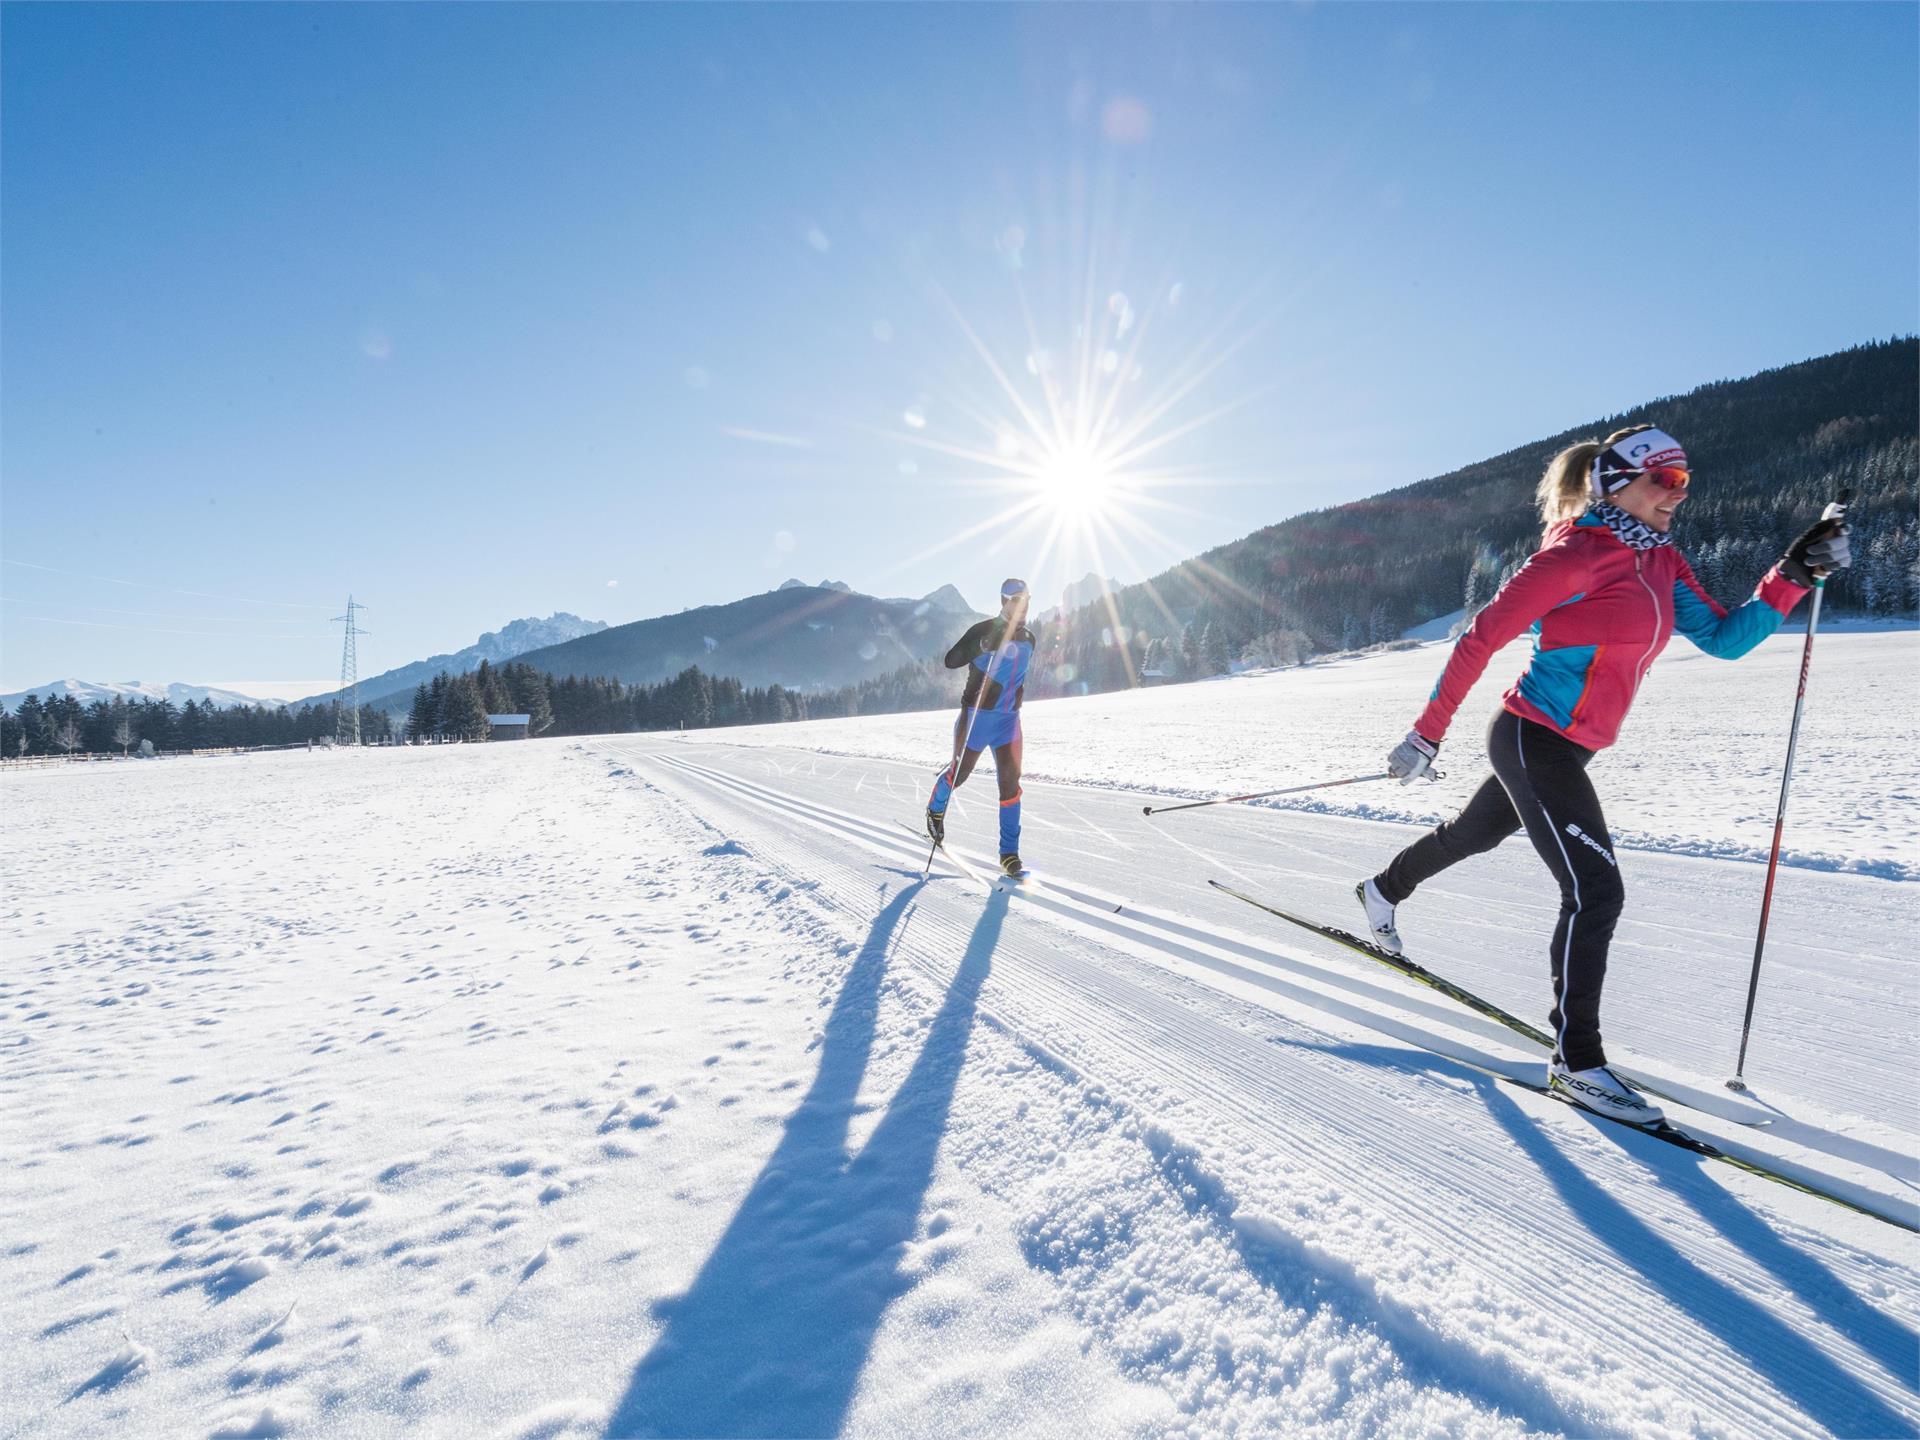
(1696, 771)
(645, 1086)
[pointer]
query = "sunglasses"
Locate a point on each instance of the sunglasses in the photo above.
(1668, 477)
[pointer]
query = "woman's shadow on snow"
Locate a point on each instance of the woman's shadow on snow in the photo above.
(1831, 1393)
(771, 1337)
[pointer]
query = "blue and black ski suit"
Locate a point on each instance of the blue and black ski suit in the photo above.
(996, 658)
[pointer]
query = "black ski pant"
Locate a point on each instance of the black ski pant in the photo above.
(1540, 781)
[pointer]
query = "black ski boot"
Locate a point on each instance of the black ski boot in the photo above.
(1012, 866)
(936, 825)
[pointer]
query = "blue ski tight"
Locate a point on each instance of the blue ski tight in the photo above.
(1006, 766)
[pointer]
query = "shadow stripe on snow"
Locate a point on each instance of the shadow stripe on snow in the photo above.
(1451, 1018)
(1251, 1095)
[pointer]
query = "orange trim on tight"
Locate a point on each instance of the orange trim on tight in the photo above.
(1014, 801)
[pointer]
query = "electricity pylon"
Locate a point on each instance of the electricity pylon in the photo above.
(347, 705)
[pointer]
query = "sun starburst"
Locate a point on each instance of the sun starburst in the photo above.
(1067, 443)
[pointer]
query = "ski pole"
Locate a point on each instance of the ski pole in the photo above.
(1264, 794)
(1837, 510)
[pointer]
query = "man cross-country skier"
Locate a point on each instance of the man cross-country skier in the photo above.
(1603, 594)
(996, 654)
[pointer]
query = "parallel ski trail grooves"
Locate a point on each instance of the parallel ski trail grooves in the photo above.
(1852, 997)
(1366, 1162)
(1366, 988)
(1079, 1006)
(1218, 951)
(1090, 1042)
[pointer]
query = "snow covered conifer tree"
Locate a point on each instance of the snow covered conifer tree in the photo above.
(420, 714)
(466, 713)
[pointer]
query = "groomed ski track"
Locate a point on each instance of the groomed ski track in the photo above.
(1559, 1269)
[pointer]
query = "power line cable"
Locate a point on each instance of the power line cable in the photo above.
(170, 589)
(159, 614)
(166, 629)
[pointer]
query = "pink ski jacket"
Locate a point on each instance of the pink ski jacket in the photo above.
(1601, 612)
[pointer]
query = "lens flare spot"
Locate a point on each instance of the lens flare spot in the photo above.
(1125, 120)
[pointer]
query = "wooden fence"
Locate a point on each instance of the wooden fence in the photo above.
(24, 762)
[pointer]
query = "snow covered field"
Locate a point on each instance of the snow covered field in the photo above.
(1697, 769)
(640, 1086)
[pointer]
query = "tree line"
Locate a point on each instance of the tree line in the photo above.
(455, 707)
(62, 725)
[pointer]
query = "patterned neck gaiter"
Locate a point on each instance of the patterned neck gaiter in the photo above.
(1634, 534)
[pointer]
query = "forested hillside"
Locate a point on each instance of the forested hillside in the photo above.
(799, 637)
(1768, 453)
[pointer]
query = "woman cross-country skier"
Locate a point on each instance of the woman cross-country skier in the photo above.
(1603, 594)
(997, 654)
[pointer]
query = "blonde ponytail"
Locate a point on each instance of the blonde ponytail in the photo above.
(1566, 489)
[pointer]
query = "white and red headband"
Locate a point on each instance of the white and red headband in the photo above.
(1620, 464)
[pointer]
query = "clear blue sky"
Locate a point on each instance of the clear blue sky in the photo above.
(473, 310)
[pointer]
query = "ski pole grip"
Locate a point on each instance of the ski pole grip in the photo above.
(1836, 510)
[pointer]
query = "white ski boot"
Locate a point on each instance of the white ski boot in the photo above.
(1604, 1093)
(1379, 916)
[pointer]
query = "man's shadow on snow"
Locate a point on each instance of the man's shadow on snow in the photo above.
(771, 1337)
(1832, 1395)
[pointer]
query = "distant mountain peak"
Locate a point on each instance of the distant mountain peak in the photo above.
(802, 636)
(88, 691)
(840, 586)
(947, 597)
(496, 647)
(517, 637)
(1083, 591)
(1086, 590)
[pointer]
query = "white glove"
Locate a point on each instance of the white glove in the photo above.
(1412, 758)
